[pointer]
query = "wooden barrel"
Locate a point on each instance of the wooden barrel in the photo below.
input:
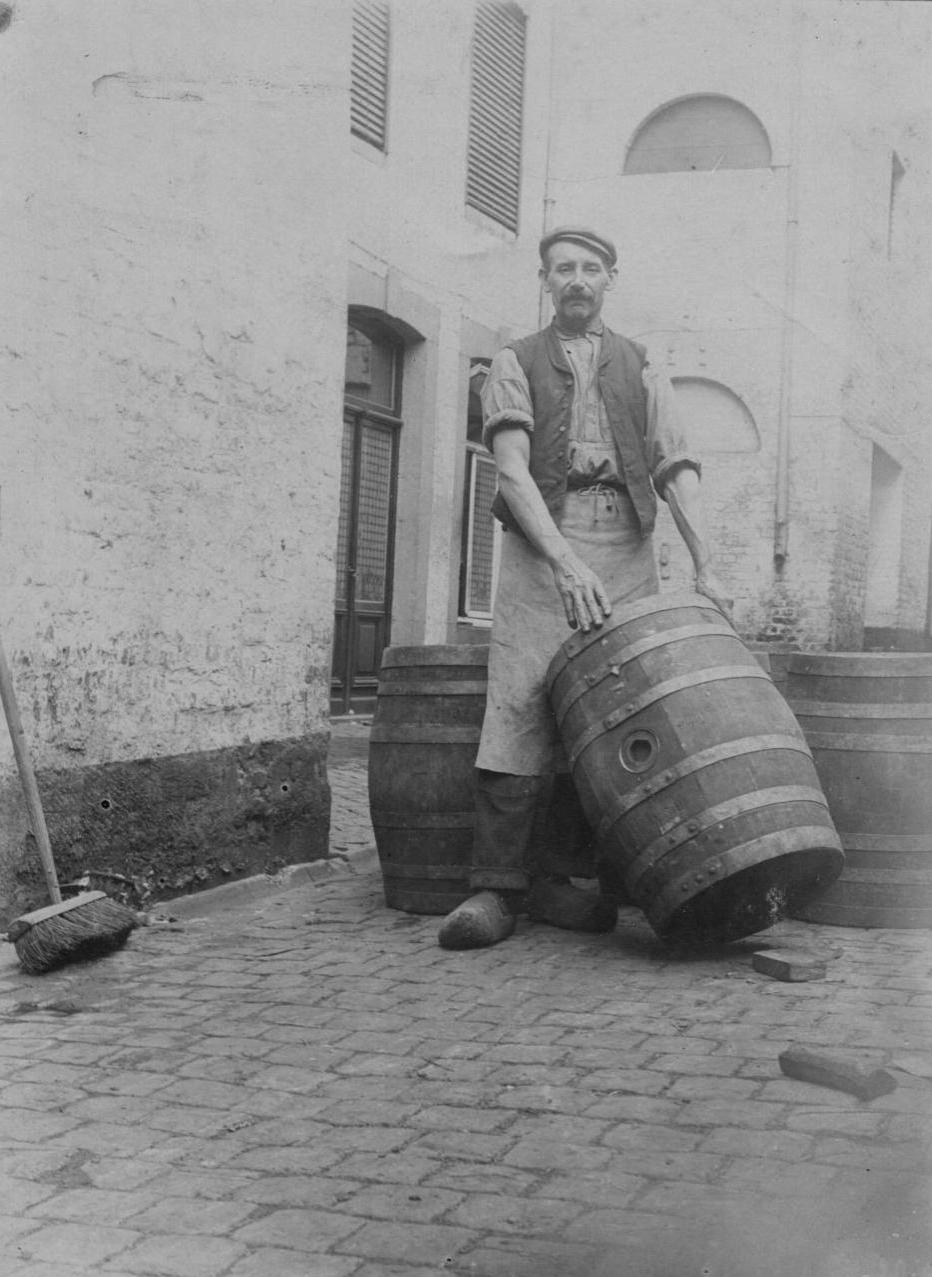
(868, 720)
(775, 659)
(693, 770)
(422, 753)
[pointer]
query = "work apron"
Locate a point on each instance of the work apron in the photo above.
(519, 732)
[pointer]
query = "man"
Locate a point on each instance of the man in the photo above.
(585, 435)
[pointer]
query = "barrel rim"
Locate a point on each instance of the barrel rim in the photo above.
(862, 664)
(436, 654)
(660, 602)
(895, 710)
(578, 686)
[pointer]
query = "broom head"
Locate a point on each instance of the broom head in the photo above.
(85, 927)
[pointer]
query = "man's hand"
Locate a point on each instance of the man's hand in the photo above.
(585, 599)
(707, 583)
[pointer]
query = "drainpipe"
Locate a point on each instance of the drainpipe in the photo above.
(543, 309)
(782, 500)
(928, 633)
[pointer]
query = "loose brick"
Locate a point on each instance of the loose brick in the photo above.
(785, 964)
(823, 1069)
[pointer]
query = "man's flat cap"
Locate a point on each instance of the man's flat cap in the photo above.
(580, 235)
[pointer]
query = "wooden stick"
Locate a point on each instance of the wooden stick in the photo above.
(28, 778)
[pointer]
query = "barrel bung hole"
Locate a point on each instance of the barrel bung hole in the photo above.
(638, 751)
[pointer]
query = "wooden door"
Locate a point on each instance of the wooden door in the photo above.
(365, 549)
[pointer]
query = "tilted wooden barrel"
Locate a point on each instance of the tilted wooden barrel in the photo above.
(422, 752)
(693, 769)
(868, 720)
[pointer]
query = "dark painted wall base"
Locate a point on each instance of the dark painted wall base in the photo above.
(178, 824)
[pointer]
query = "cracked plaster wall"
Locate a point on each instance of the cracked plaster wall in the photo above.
(171, 349)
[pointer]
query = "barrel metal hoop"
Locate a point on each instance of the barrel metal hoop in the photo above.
(892, 843)
(716, 674)
(859, 742)
(424, 734)
(633, 612)
(694, 763)
(465, 654)
(744, 856)
(860, 709)
(429, 873)
(625, 655)
(422, 819)
(862, 664)
(438, 688)
(698, 823)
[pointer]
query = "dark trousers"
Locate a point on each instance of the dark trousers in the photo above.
(528, 827)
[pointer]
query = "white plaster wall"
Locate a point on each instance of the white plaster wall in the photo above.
(701, 280)
(172, 344)
(706, 279)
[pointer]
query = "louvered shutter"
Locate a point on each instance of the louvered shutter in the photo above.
(482, 544)
(369, 73)
(496, 108)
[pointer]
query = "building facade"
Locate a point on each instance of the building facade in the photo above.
(172, 344)
(255, 271)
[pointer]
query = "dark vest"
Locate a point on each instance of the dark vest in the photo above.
(550, 379)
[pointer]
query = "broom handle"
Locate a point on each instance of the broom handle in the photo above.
(28, 778)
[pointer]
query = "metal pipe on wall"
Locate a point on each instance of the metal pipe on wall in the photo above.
(781, 529)
(543, 309)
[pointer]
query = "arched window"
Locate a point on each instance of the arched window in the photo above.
(705, 132)
(717, 420)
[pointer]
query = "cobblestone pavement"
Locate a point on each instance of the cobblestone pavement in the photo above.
(299, 1083)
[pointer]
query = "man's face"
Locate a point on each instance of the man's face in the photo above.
(577, 280)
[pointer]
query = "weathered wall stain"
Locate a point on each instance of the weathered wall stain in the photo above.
(178, 823)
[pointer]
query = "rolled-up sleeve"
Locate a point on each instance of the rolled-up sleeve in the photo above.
(668, 448)
(506, 397)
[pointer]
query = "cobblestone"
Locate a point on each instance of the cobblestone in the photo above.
(294, 1081)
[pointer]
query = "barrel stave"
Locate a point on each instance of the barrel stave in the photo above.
(422, 751)
(671, 754)
(868, 720)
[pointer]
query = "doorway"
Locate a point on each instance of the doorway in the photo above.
(366, 530)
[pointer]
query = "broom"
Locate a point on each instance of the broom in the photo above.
(88, 925)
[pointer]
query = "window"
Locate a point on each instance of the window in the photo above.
(481, 542)
(369, 71)
(371, 367)
(718, 420)
(496, 107)
(702, 132)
